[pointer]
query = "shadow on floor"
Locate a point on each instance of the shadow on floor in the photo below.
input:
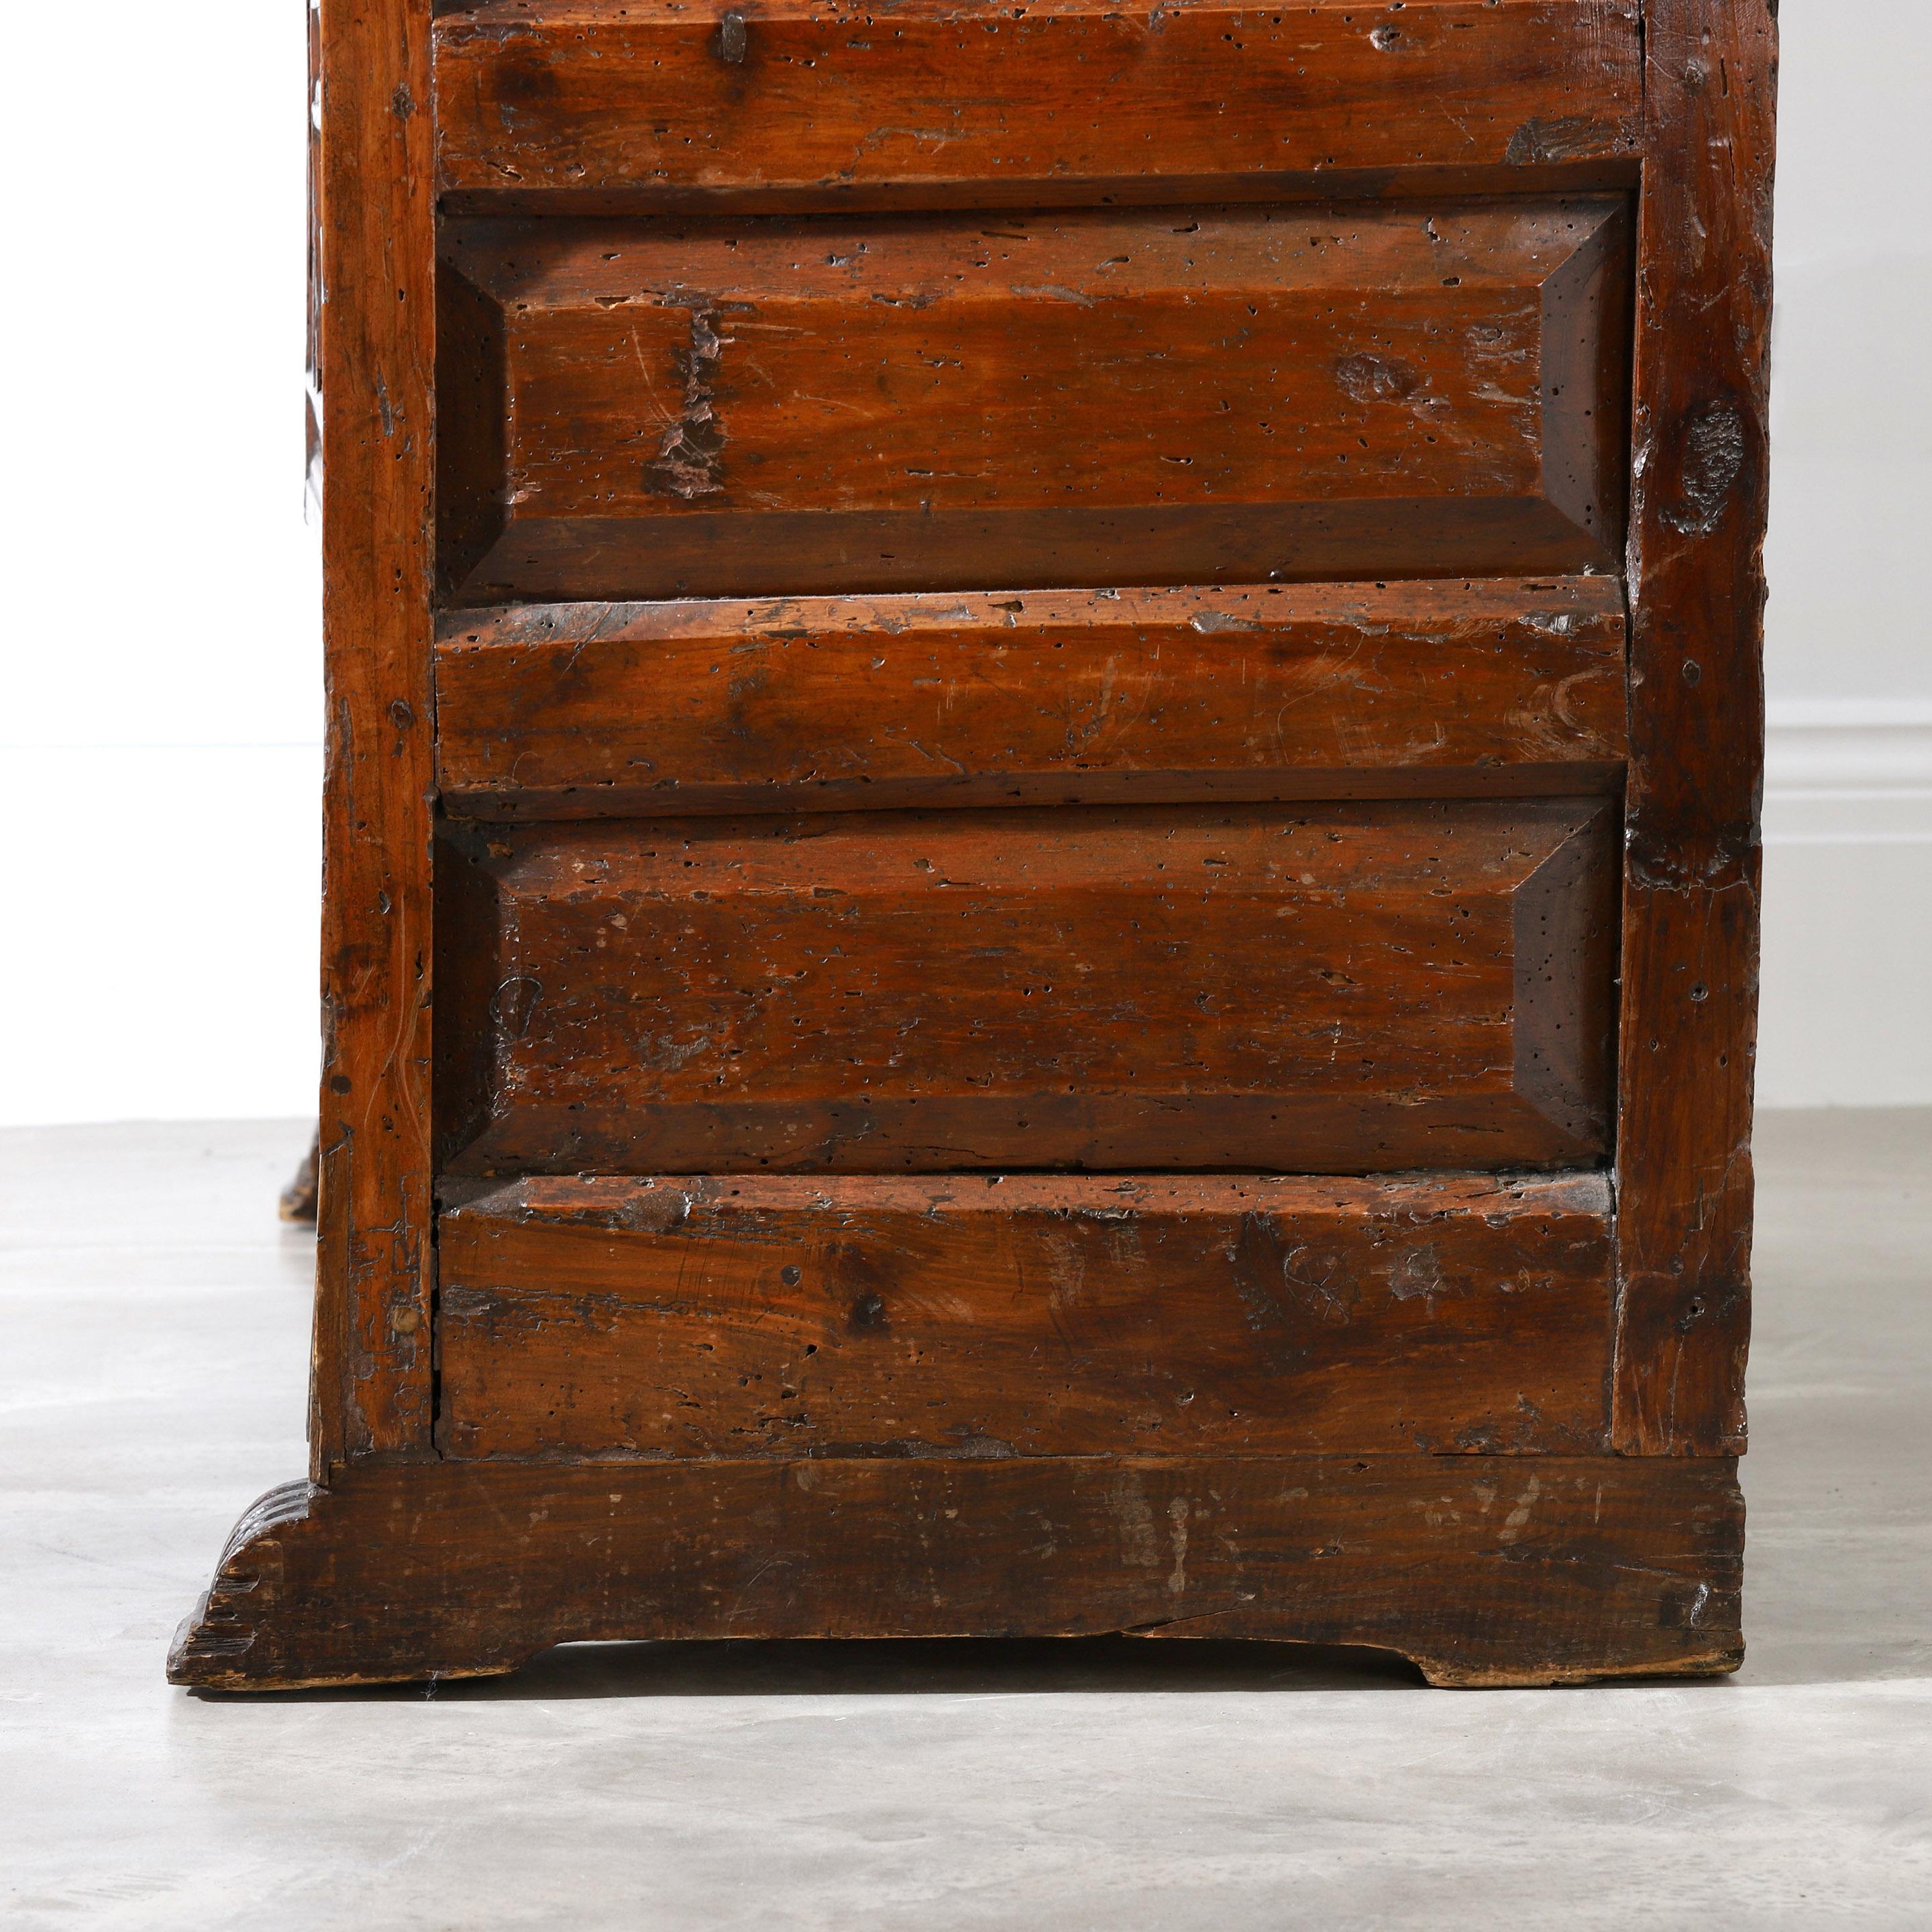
(958, 1666)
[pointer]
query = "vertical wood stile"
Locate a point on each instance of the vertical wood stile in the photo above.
(371, 1391)
(1690, 897)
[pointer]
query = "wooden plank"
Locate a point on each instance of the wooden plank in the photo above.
(376, 254)
(1324, 987)
(1324, 690)
(577, 96)
(1024, 1315)
(1098, 397)
(1691, 919)
(1535, 1570)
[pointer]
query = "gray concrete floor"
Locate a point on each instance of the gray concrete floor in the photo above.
(155, 1319)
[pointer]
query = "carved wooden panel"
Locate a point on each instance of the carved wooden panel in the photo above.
(652, 409)
(1332, 987)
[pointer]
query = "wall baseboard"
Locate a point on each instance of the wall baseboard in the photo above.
(1840, 770)
(1847, 987)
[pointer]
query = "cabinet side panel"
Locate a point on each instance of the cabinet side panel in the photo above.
(1690, 922)
(376, 256)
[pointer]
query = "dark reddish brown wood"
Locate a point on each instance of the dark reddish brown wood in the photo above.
(567, 96)
(377, 258)
(1340, 988)
(1691, 919)
(1222, 394)
(961, 384)
(1025, 1315)
(1313, 690)
(1483, 1570)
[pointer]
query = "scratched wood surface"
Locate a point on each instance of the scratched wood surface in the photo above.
(1346, 987)
(1264, 691)
(1183, 476)
(1696, 574)
(1025, 1315)
(375, 247)
(1094, 397)
(576, 97)
(1484, 1570)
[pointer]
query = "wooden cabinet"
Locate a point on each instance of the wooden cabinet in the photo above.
(1044, 731)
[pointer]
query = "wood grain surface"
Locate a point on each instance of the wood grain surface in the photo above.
(1090, 397)
(1084, 977)
(376, 257)
(1522, 1570)
(1690, 897)
(577, 97)
(1331, 988)
(1024, 1315)
(1321, 691)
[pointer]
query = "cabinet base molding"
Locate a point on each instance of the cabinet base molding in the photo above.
(1483, 1570)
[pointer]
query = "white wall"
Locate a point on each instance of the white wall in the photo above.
(159, 767)
(159, 745)
(1847, 1014)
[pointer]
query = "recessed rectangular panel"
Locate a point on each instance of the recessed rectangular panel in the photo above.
(983, 1316)
(1100, 398)
(1321, 988)
(1264, 691)
(652, 97)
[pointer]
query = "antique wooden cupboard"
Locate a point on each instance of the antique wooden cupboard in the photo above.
(1042, 855)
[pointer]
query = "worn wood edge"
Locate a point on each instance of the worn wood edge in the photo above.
(197, 1651)
(187, 1667)
(248, 1631)
(613, 1201)
(1300, 784)
(1700, 497)
(1414, 608)
(579, 557)
(1444, 1674)
(1338, 187)
(370, 1379)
